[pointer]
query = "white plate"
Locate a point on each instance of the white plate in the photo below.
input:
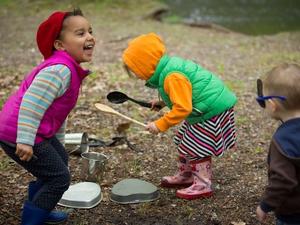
(84, 195)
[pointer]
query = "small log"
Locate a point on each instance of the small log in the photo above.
(121, 39)
(157, 13)
(193, 23)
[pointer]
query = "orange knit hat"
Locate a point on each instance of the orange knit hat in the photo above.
(143, 54)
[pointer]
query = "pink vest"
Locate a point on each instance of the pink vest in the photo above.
(57, 111)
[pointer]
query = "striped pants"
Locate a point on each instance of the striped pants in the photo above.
(49, 167)
(210, 138)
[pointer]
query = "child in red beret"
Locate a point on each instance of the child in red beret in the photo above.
(196, 97)
(33, 118)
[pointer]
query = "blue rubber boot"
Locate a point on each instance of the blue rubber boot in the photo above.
(33, 188)
(54, 217)
(33, 215)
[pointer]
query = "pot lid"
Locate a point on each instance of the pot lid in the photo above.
(82, 195)
(133, 191)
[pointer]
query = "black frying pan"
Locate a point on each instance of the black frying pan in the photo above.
(119, 97)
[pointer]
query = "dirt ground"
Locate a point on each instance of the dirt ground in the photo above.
(239, 176)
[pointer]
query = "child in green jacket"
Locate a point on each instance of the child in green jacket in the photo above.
(195, 97)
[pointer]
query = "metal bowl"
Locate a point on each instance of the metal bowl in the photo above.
(133, 191)
(83, 195)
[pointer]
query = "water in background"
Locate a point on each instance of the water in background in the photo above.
(247, 16)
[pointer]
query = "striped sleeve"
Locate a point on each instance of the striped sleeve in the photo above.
(60, 135)
(49, 84)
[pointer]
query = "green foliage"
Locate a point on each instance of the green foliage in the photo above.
(102, 4)
(221, 68)
(143, 208)
(173, 19)
(234, 155)
(279, 57)
(135, 166)
(93, 75)
(258, 150)
(5, 2)
(189, 211)
(4, 164)
(116, 73)
(242, 120)
(1, 103)
(30, 6)
(235, 85)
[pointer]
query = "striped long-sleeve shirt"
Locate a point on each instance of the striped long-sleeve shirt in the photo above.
(49, 84)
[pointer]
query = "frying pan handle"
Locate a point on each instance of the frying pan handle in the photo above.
(159, 107)
(146, 104)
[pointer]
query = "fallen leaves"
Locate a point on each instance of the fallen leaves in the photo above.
(238, 223)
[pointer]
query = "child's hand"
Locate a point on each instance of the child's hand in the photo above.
(157, 105)
(24, 152)
(260, 214)
(151, 127)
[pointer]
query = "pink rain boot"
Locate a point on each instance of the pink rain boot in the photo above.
(201, 188)
(183, 176)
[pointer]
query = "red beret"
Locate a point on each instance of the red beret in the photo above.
(48, 32)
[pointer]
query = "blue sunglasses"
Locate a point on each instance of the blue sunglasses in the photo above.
(261, 99)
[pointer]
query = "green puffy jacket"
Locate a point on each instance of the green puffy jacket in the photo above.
(210, 96)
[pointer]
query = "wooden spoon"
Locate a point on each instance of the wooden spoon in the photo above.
(107, 109)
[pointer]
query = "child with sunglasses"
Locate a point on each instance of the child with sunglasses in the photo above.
(196, 97)
(279, 95)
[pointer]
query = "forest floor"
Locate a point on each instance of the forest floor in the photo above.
(239, 177)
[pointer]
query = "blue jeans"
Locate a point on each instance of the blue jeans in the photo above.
(279, 222)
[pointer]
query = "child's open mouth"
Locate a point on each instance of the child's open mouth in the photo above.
(89, 48)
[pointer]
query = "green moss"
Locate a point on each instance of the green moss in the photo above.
(258, 150)
(275, 58)
(135, 166)
(4, 164)
(5, 3)
(93, 75)
(235, 85)
(221, 68)
(173, 19)
(116, 73)
(242, 120)
(105, 7)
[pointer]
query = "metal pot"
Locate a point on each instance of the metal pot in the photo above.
(80, 140)
(93, 166)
